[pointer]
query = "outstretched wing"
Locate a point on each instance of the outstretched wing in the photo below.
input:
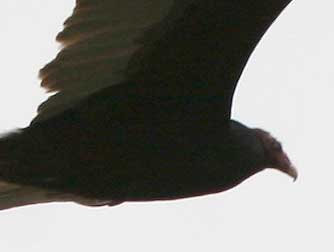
(187, 48)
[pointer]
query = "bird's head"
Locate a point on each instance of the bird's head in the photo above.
(276, 157)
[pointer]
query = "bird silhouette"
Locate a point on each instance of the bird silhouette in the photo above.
(141, 108)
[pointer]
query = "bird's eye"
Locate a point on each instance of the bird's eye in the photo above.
(276, 146)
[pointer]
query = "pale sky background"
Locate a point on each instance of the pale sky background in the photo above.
(287, 88)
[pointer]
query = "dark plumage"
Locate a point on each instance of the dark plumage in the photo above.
(143, 106)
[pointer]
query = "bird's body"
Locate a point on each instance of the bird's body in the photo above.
(163, 130)
(131, 158)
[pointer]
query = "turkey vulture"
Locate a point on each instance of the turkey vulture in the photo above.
(141, 106)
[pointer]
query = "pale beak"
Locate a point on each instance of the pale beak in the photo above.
(291, 171)
(283, 164)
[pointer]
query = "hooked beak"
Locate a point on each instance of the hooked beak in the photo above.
(284, 165)
(291, 171)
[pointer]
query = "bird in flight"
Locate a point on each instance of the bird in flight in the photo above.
(141, 106)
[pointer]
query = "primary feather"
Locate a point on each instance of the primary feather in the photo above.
(183, 48)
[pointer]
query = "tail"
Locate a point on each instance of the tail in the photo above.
(12, 195)
(15, 193)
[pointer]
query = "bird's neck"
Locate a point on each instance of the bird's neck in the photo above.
(248, 148)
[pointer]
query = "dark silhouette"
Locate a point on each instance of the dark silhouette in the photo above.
(143, 106)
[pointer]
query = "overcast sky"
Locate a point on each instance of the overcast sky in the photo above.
(287, 89)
